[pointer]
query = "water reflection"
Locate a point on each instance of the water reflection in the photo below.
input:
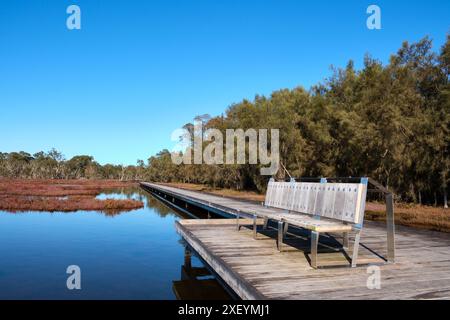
(150, 202)
(134, 255)
(197, 283)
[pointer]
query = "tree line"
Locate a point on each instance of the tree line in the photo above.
(390, 122)
(53, 165)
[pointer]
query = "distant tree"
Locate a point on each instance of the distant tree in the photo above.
(77, 166)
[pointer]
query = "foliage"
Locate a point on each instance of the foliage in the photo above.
(390, 122)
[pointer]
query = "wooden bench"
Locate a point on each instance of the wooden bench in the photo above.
(318, 207)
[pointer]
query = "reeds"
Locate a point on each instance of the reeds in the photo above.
(62, 195)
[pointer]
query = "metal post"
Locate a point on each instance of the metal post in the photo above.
(390, 220)
(345, 241)
(314, 244)
(255, 235)
(280, 236)
(390, 224)
(356, 249)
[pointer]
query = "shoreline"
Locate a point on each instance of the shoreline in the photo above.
(21, 195)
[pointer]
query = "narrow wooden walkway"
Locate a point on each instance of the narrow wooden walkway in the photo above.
(255, 269)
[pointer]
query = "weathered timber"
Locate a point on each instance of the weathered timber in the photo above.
(255, 269)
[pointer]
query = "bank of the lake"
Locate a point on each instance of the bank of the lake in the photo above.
(21, 195)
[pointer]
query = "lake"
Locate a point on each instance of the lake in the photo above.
(129, 255)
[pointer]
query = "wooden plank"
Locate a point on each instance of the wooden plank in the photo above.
(255, 268)
(421, 272)
(233, 279)
(212, 222)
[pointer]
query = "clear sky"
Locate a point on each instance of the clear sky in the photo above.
(137, 70)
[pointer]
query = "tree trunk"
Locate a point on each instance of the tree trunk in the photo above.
(412, 191)
(445, 199)
(122, 175)
(420, 197)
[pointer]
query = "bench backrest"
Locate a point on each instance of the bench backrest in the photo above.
(340, 201)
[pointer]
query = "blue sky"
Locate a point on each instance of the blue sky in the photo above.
(137, 70)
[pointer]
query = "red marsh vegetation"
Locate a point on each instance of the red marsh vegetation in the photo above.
(63, 195)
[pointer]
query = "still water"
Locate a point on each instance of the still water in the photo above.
(131, 255)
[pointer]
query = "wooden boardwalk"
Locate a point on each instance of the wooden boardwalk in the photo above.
(254, 269)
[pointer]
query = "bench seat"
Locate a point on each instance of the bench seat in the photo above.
(307, 222)
(310, 223)
(317, 207)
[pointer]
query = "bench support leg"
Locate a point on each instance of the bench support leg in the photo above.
(285, 229)
(314, 244)
(345, 240)
(266, 222)
(356, 249)
(255, 227)
(280, 236)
